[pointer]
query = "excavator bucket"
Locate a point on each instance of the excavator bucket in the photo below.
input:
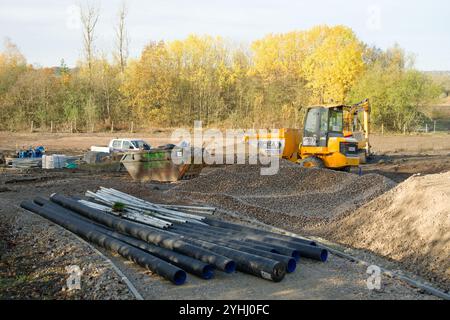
(159, 165)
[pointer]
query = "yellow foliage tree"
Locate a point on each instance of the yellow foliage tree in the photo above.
(148, 84)
(277, 55)
(334, 62)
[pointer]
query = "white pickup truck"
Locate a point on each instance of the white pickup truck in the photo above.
(123, 145)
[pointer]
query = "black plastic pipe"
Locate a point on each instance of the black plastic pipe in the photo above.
(305, 251)
(244, 236)
(279, 249)
(87, 232)
(269, 240)
(238, 227)
(191, 265)
(289, 262)
(284, 247)
(264, 248)
(154, 236)
(246, 262)
(239, 237)
(188, 264)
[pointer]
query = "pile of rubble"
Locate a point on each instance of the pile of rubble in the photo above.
(312, 194)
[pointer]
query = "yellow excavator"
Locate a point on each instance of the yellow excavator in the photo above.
(333, 136)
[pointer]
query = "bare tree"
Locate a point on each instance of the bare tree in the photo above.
(89, 19)
(122, 37)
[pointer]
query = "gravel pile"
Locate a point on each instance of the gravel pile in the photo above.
(409, 224)
(309, 195)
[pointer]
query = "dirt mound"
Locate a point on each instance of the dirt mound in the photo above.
(409, 224)
(310, 195)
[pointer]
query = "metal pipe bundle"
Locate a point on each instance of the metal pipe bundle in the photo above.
(190, 209)
(113, 195)
(130, 215)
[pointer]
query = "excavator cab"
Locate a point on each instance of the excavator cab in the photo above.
(322, 123)
(324, 142)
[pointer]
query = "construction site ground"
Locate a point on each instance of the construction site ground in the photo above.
(35, 253)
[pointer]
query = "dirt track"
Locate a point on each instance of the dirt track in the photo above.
(74, 143)
(411, 144)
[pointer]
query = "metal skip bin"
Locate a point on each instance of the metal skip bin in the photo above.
(159, 165)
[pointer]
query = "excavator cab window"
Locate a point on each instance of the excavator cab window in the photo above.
(322, 123)
(316, 127)
(336, 120)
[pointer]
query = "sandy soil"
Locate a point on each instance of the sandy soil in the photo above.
(411, 144)
(409, 224)
(74, 143)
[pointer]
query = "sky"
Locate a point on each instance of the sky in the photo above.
(47, 31)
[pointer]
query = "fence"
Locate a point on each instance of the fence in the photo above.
(432, 126)
(72, 127)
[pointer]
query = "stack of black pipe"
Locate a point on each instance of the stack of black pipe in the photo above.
(192, 248)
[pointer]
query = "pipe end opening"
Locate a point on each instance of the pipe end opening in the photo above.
(279, 271)
(324, 255)
(291, 266)
(180, 277)
(208, 272)
(230, 267)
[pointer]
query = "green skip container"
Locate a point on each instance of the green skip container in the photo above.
(158, 165)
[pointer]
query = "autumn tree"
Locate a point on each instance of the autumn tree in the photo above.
(12, 64)
(397, 91)
(148, 85)
(334, 62)
(305, 67)
(122, 39)
(89, 18)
